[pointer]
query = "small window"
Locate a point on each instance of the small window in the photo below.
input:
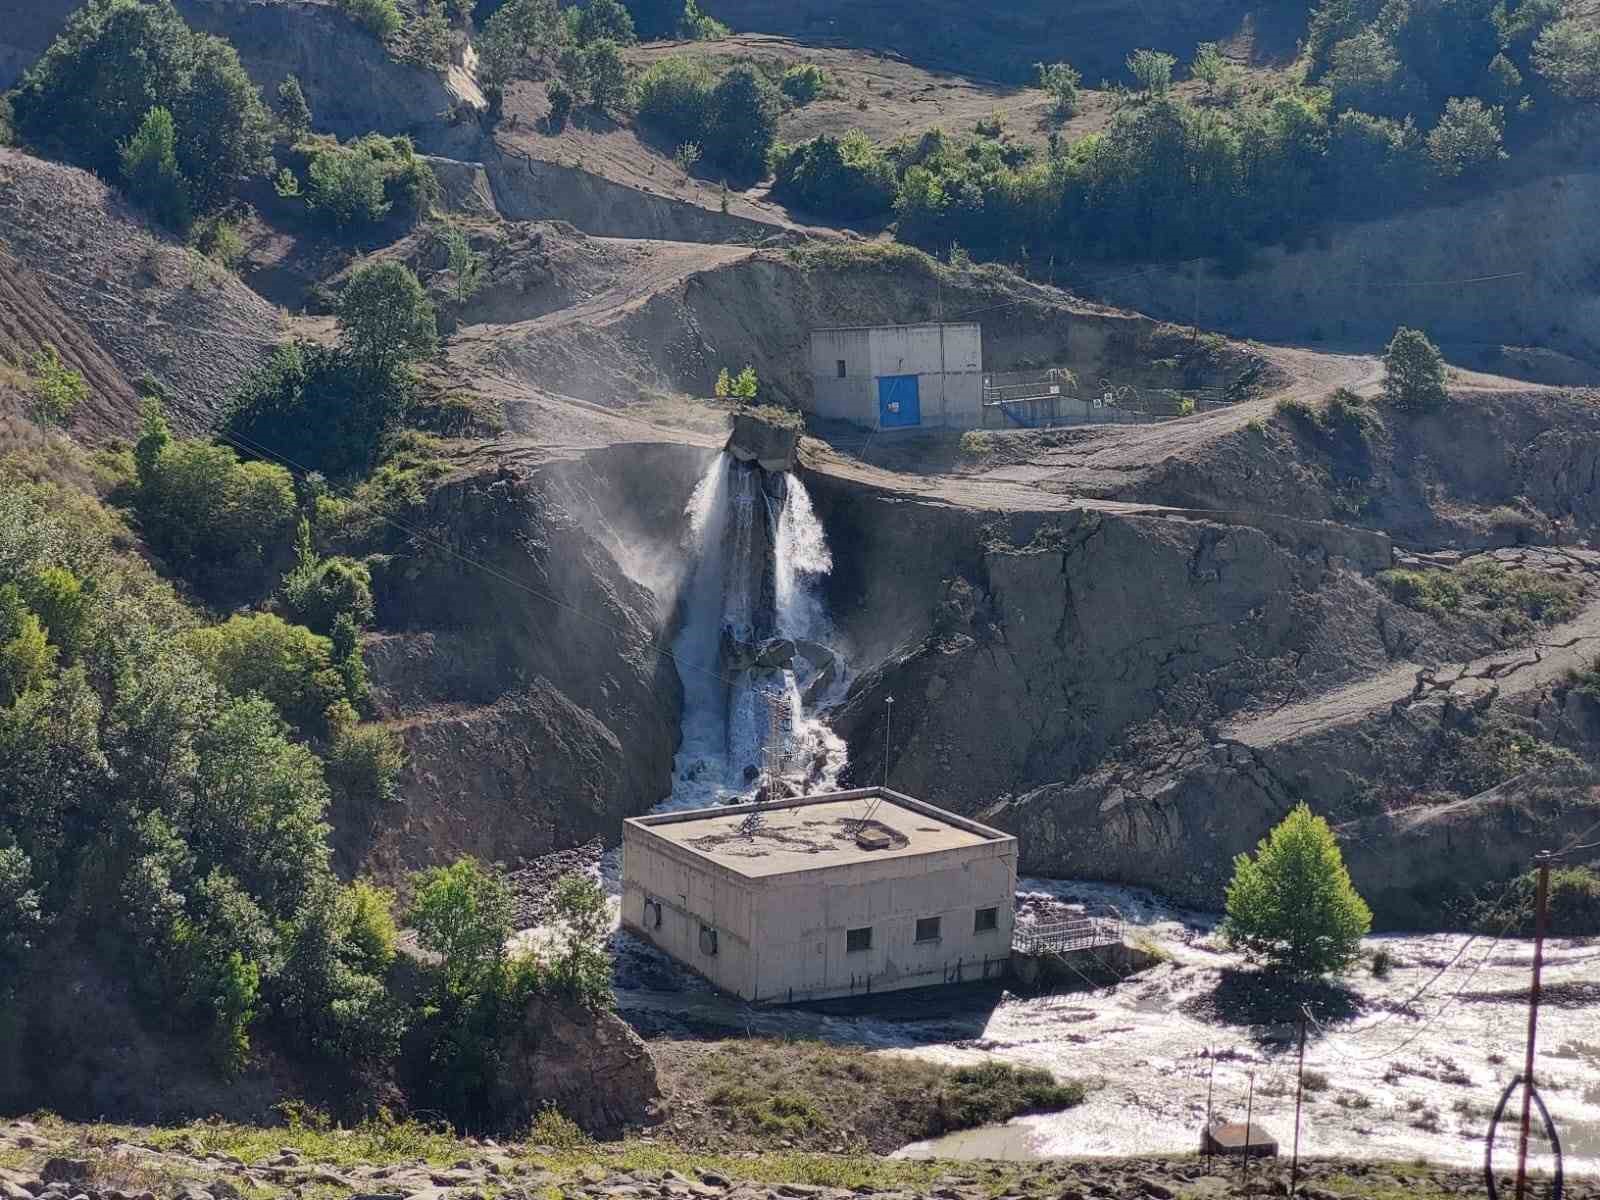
(987, 920)
(857, 940)
(842, 370)
(708, 941)
(928, 929)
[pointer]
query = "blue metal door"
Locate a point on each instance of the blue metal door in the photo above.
(899, 403)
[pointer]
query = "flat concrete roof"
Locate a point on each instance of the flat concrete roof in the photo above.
(910, 325)
(817, 832)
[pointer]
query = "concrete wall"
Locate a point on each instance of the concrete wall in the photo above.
(691, 892)
(804, 918)
(951, 399)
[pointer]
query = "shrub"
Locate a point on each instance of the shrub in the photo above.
(1567, 54)
(1208, 66)
(1382, 962)
(293, 111)
(90, 96)
(362, 182)
(1153, 70)
(992, 1092)
(26, 657)
(55, 389)
(744, 123)
(975, 443)
(803, 83)
(466, 264)
(150, 170)
(604, 75)
(561, 102)
(1060, 81)
(836, 177)
(219, 240)
(364, 763)
(381, 18)
(1293, 906)
(320, 590)
(264, 655)
(604, 20)
(1414, 375)
(582, 968)
(674, 97)
(315, 406)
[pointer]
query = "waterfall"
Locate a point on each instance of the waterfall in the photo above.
(754, 625)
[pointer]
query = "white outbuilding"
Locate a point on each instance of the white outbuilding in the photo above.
(842, 894)
(899, 376)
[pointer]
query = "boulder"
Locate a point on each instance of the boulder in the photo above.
(587, 1063)
(768, 437)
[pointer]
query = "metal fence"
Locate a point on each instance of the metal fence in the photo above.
(1055, 398)
(1073, 933)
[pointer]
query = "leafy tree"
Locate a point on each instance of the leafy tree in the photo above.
(1293, 905)
(605, 20)
(1414, 374)
(466, 264)
(605, 75)
(836, 177)
(321, 590)
(56, 389)
(116, 60)
(1467, 136)
(293, 110)
(21, 915)
(1364, 72)
(1208, 66)
(1153, 70)
(463, 913)
(519, 29)
(150, 170)
(1567, 54)
(364, 181)
(63, 606)
(1061, 81)
(385, 320)
(561, 102)
(26, 655)
(381, 18)
(745, 385)
(364, 764)
(582, 968)
(744, 122)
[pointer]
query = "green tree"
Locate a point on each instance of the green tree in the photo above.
(1567, 54)
(63, 605)
(1208, 66)
(1060, 81)
(1467, 136)
(293, 110)
(385, 319)
(56, 390)
(1414, 374)
(463, 913)
(1364, 72)
(224, 130)
(582, 968)
(150, 170)
(744, 122)
(746, 385)
(605, 19)
(380, 18)
(346, 187)
(1293, 906)
(674, 97)
(605, 75)
(21, 915)
(466, 264)
(656, 18)
(263, 655)
(803, 83)
(1153, 70)
(26, 655)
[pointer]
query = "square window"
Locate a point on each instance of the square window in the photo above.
(841, 368)
(857, 940)
(987, 920)
(928, 929)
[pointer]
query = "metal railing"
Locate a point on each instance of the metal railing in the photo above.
(1073, 933)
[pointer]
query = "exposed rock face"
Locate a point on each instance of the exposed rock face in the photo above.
(588, 1063)
(759, 438)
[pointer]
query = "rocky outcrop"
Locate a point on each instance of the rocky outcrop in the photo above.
(587, 1063)
(768, 438)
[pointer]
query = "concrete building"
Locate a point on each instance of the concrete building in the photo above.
(803, 900)
(899, 376)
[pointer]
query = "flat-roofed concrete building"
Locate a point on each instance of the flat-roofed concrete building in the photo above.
(833, 895)
(899, 376)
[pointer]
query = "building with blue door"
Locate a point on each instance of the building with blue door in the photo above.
(892, 377)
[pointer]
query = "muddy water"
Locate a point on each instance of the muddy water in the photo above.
(1391, 1079)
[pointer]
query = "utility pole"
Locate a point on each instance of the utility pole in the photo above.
(1299, 1093)
(888, 727)
(1543, 901)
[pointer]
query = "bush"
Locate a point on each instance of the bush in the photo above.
(604, 75)
(219, 240)
(150, 170)
(93, 90)
(293, 111)
(380, 18)
(364, 764)
(803, 83)
(1293, 906)
(321, 590)
(385, 320)
(561, 102)
(604, 20)
(314, 406)
(262, 654)
(674, 97)
(1567, 54)
(582, 968)
(361, 183)
(1467, 136)
(841, 178)
(1414, 375)
(1153, 70)
(55, 389)
(744, 123)
(993, 1092)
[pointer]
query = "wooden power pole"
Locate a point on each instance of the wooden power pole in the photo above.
(1543, 902)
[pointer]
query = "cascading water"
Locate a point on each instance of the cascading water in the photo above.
(754, 627)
